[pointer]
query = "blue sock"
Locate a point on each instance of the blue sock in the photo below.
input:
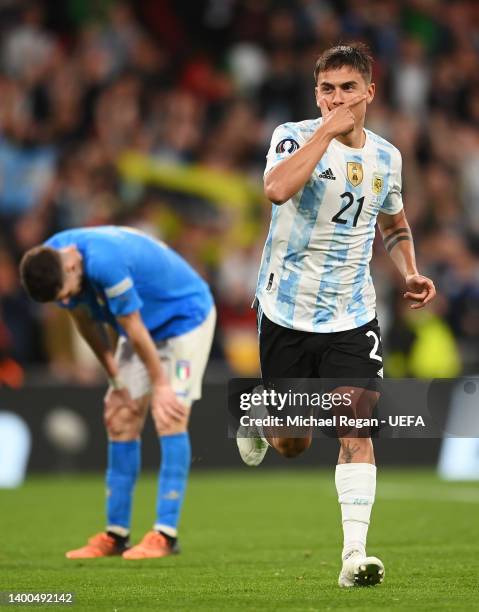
(175, 465)
(123, 467)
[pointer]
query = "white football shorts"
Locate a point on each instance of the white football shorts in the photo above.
(183, 357)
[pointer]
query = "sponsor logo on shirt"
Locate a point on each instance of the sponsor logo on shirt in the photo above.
(328, 174)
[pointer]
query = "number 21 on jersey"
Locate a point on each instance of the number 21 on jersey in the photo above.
(348, 201)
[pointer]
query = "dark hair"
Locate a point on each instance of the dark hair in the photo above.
(41, 273)
(355, 55)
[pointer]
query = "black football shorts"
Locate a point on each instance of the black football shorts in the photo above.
(351, 355)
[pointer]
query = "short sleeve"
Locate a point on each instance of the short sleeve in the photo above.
(393, 201)
(111, 274)
(284, 142)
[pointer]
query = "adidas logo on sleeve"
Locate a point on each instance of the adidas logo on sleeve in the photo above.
(328, 174)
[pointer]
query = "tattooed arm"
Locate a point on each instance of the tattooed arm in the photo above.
(399, 244)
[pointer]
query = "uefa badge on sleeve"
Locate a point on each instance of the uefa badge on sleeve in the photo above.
(183, 369)
(287, 145)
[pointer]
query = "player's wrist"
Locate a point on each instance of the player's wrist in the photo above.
(325, 132)
(116, 383)
(161, 384)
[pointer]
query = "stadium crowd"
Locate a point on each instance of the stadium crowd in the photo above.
(158, 114)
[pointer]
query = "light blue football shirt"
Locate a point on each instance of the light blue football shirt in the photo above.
(125, 270)
(314, 273)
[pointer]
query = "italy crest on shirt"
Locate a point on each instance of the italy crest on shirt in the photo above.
(183, 369)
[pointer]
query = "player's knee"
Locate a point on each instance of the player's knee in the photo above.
(122, 423)
(292, 447)
(173, 428)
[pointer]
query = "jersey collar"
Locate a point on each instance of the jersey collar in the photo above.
(353, 150)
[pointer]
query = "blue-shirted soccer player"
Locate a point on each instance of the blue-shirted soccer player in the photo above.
(164, 318)
(330, 182)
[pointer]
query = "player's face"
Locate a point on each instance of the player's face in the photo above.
(338, 86)
(72, 274)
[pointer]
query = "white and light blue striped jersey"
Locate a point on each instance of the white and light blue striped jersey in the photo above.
(314, 273)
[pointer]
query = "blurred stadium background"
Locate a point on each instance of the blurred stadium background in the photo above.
(158, 114)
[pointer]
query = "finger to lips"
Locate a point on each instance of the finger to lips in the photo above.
(356, 100)
(323, 106)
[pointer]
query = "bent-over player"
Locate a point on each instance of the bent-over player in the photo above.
(164, 318)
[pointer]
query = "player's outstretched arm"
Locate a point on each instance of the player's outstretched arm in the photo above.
(291, 175)
(165, 404)
(399, 244)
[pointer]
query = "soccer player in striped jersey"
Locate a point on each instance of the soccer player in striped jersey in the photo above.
(331, 181)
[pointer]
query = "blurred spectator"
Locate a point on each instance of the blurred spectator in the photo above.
(19, 328)
(28, 47)
(411, 78)
(25, 172)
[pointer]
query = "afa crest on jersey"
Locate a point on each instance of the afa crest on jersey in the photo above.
(378, 183)
(355, 173)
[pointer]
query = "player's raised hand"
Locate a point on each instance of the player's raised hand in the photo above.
(166, 407)
(420, 290)
(340, 120)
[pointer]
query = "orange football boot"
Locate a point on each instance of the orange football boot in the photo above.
(99, 545)
(153, 546)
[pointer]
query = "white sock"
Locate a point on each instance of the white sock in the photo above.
(117, 530)
(356, 487)
(170, 531)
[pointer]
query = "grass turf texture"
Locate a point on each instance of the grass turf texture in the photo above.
(252, 540)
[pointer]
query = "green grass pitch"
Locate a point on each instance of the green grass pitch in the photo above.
(252, 540)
